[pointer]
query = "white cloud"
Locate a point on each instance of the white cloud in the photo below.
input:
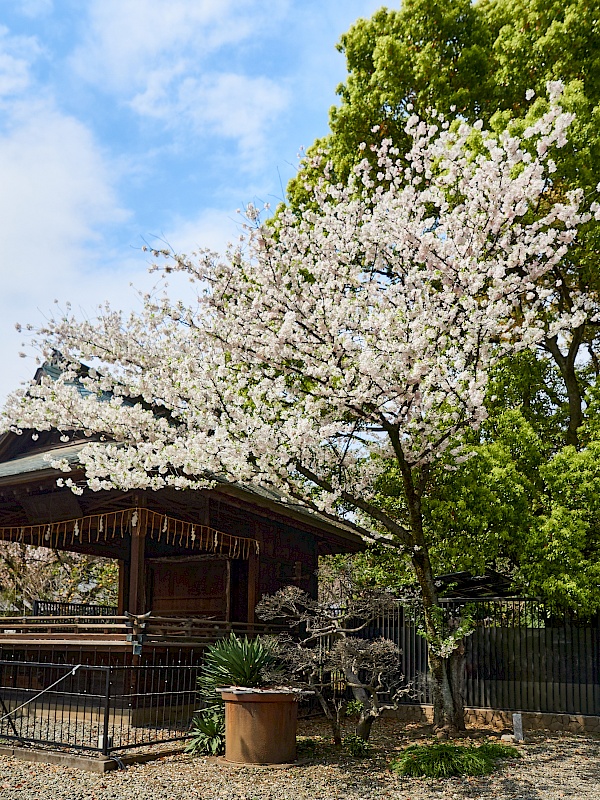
(158, 56)
(229, 105)
(131, 42)
(59, 202)
(57, 186)
(58, 195)
(118, 280)
(16, 55)
(212, 229)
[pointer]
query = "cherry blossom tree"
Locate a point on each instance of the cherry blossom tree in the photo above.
(334, 343)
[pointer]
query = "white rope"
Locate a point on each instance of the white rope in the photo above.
(39, 694)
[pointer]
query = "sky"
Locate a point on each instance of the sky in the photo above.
(132, 122)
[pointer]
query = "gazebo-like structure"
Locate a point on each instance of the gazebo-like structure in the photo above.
(192, 564)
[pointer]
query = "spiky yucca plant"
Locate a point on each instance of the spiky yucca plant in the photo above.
(236, 662)
(207, 734)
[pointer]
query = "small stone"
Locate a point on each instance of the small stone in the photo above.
(507, 737)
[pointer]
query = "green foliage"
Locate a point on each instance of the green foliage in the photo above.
(445, 760)
(236, 662)
(561, 557)
(356, 746)
(353, 708)
(476, 60)
(529, 384)
(208, 734)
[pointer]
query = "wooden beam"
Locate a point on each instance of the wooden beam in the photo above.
(184, 559)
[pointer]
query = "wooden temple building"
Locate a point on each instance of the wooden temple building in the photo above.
(192, 564)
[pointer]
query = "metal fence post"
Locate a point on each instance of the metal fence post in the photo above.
(104, 743)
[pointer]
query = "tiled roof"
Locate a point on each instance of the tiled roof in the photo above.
(35, 462)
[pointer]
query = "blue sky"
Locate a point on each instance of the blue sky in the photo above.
(124, 120)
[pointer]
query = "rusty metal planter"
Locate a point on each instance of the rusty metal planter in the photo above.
(260, 726)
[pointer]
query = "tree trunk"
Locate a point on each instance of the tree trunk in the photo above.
(369, 713)
(566, 365)
(575, 406)
(336, 730)
(448, 707)
(457, 672)
(334, 718)
(364, 725)
(446, 671)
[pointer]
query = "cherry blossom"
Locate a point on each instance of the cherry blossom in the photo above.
(332, 342)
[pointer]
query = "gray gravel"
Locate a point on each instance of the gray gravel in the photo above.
(551, 767)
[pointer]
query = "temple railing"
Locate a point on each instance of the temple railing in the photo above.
(50, 608)
(137, 630)
(52, 628)
(196, 630)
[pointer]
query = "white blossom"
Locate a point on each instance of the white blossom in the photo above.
(332, 340)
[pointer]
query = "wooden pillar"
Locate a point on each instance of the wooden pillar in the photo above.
(137, 566)
(228, 591)
(121, 602)
(252, 586)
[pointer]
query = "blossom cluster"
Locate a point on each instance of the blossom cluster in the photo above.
(331, 340)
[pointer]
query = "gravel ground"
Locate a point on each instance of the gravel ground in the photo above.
(83, 733)
(552, 766)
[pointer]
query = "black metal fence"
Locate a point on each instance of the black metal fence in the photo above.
(105, 708)
(519, 657)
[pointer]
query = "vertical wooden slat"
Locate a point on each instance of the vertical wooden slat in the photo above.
(228, 592)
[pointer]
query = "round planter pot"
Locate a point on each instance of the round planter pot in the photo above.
(260, 726)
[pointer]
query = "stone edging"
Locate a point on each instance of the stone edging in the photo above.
(502, 720)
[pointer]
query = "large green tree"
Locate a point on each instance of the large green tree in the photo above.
(478, 61)
(508, 508)
(522, 505)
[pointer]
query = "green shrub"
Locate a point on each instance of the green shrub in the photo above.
(208, 734)
(445, 760)
(357, 747)
(353, 708)
(494, 750)
(235, 662)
